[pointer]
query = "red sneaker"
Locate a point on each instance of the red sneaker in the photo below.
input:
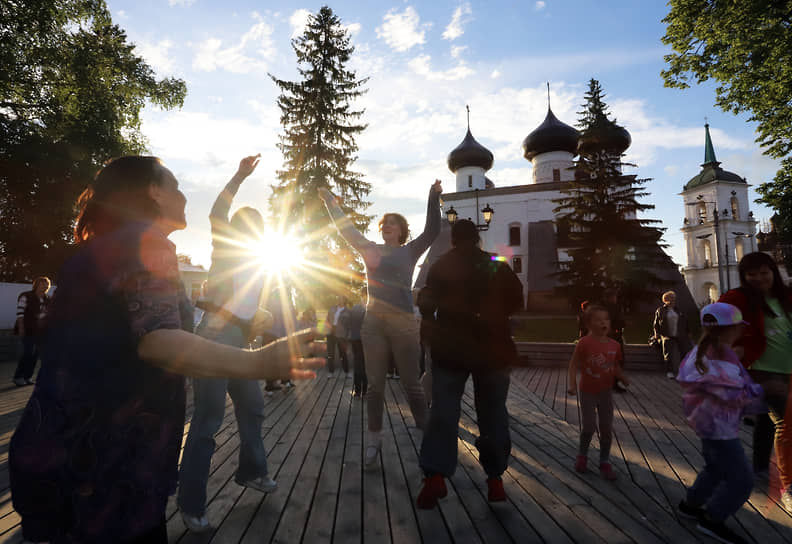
(581, 463)
(495, 493)
(606, 471)
(434, 488)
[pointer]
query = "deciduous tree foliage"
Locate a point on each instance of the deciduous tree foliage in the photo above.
(746, 47)
(318, 141)
(597, 218)
(71, 92)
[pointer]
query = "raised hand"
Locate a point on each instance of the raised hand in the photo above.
(248, 165)
(437, 187)
(295, 355)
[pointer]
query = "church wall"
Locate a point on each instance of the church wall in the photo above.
(546, 163)
(469, 178)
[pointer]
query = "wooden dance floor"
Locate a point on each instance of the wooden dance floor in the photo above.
(314, 437)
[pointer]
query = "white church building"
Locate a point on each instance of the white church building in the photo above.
(522, 228)
(719, 227)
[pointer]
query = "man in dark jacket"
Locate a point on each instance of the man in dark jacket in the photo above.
(31, 311)
(465, 309)
(671, 330)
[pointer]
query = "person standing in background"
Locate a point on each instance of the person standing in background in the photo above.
(671, 330)
(31, 311)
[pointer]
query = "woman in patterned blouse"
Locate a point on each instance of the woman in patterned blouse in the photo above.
(95, 455)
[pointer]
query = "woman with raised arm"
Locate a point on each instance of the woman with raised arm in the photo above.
(389, 328)
(95, 455)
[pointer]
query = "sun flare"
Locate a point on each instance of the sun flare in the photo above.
(277, 252)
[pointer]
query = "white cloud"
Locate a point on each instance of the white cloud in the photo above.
(421, 65)
(460, 17)
(121, 14)
(251, 53)
(353, 28)
(495, 74)
(156, 55)
(457, 50)
(298, 20)
(539, 6)
(402, 31)
(182, 3)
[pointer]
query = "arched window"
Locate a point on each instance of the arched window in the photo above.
(702, 211)
(707, 247)
(739, 249)
(517, 265)
(514, 235)
(556, 174)
(735, 207)
(709, 293)
(470, 181)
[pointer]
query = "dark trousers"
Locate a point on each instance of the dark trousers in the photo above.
(439, 446)
(596, 407)
(359, 365)
(770, 429)
(726, 481)
(334, 342)
(27, 362)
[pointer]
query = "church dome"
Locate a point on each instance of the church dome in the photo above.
(469, 153)
(711, 170)
(608, 136)
(551, 135)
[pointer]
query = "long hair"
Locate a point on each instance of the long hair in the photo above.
(405, 227)
(119, 194)
(754, 261)
(710, 338)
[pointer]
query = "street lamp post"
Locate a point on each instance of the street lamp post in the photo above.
(486, 212)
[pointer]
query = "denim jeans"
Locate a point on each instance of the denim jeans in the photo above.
(209, 395)
(671, 354)
(439, 446)
(726, 481)
(386, 334)
(27, 362)
(336, 345)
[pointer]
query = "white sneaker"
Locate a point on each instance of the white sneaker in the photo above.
(19, 382)
(329, 375)
(265, 484)
(388, 375)
(196, 524)
(348, 375)
(670, 375)
(372, 452)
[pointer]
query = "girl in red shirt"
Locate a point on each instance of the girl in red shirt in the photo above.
(598, 357)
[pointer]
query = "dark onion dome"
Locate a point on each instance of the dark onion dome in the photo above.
(469, 153)
(605, 135)
(551, 135)
(711, 170)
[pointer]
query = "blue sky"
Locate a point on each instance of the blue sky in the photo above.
(425, 61)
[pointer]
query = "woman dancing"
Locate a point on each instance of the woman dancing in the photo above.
(389, 328)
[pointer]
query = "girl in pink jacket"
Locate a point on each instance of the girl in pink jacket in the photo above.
(717, 392)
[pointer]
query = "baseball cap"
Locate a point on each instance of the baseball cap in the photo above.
(721, 314)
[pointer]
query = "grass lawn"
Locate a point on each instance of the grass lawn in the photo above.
(564, 328)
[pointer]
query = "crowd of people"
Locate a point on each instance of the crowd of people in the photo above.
(96, 453)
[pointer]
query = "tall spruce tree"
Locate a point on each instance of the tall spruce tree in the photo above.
(597, 218)
(318, 141)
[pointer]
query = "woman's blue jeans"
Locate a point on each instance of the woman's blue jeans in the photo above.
(726, 481)
(210, 395)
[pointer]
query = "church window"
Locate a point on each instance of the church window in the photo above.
(470, 181)
(702, 210)
(514, 235)
(517, 265)
(735, 208)
(707, 253)
(556, 174)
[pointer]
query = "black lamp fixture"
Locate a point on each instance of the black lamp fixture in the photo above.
(452, 215)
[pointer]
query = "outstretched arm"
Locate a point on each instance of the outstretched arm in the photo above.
(219, 214)
(342, 222)
(432, 226)
(572, 377)
(189, 354)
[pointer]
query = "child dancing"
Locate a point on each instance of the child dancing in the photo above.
(597, 356)
(717, 393)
